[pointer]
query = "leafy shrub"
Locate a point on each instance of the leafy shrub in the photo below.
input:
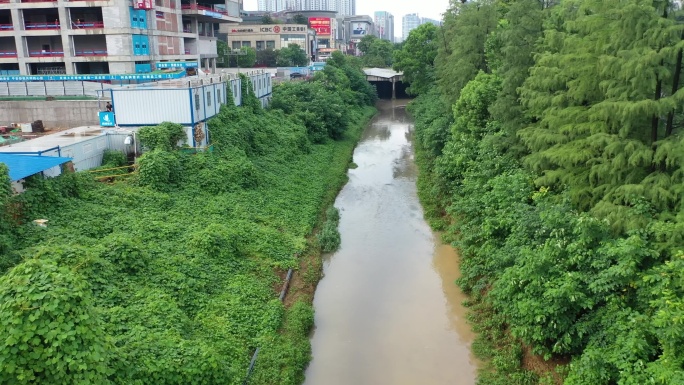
(281, 361)
(5, 183)
(216, 240)
(51, 333)
(124, 252)
(165, 136)
(114, 158)
(215, 174)
(329, 237)
(159, 169)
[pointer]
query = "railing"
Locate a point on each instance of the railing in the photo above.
(91, 53)
(4, 54)
(87, 25)
(41, 26)
(6, 27)
(197, 7)
(186, 30)
(46, 53)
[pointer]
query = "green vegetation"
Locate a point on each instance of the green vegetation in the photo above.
(245, 58)
(267, 57)
(171, 276)
(416, 59)
(329, 237)
(376, 52)
(292, 56)
(550, 155)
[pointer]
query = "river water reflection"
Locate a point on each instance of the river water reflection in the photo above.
(387, 309)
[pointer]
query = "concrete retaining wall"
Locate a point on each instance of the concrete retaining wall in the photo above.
(58, 113)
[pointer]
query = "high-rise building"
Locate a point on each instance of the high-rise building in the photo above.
(426, 20)
(384, 25)
(409, 23)
(342, 7)
(110, 37)
(345, 7)
(271, 5)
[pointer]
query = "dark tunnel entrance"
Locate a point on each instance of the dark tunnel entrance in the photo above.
(385, 90)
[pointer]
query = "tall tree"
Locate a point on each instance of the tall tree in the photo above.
(597, 96)
(267, 57)
(300, 19)
(267, 19)
(291, 56)
(510, 54)
(461, 53)
(416, 58)
(247, 57)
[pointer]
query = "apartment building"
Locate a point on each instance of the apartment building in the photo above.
(384, 25)
(73, 37)
(409, 23)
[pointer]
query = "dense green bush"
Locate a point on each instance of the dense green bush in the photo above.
(329, 237)
(114, 158)
(323, 104)
(166, 136)
(51, 333)
(5, 183)
(159, 169)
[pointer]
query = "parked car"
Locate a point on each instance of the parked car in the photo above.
(296, 75)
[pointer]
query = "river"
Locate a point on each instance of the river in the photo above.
(387, 309)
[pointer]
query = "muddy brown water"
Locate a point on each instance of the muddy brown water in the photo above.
(387, 309)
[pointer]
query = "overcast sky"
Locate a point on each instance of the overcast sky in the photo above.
(425, 8)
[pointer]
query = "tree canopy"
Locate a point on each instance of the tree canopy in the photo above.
(376, 52)
(550, 145)
(416, 58)
(292, 56)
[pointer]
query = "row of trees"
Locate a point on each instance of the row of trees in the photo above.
(291, 56)
(549, 135)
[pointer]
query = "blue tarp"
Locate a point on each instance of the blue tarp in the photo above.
(21, 166)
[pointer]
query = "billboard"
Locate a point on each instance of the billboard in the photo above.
(359, 29)
(322, 25)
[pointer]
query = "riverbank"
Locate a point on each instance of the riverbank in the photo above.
(304, 280)
(170, 276)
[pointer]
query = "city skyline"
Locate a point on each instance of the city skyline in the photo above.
(398, 8)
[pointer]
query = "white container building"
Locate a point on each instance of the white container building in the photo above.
(189, 102)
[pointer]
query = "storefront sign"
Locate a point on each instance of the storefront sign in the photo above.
(176, 64)
(271, 29)
(66, 78)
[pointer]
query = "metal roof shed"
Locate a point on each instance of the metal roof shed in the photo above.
(22, 166)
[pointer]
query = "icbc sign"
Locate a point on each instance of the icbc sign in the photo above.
(320, 24)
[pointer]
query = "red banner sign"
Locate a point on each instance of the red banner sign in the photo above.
(321, 25)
